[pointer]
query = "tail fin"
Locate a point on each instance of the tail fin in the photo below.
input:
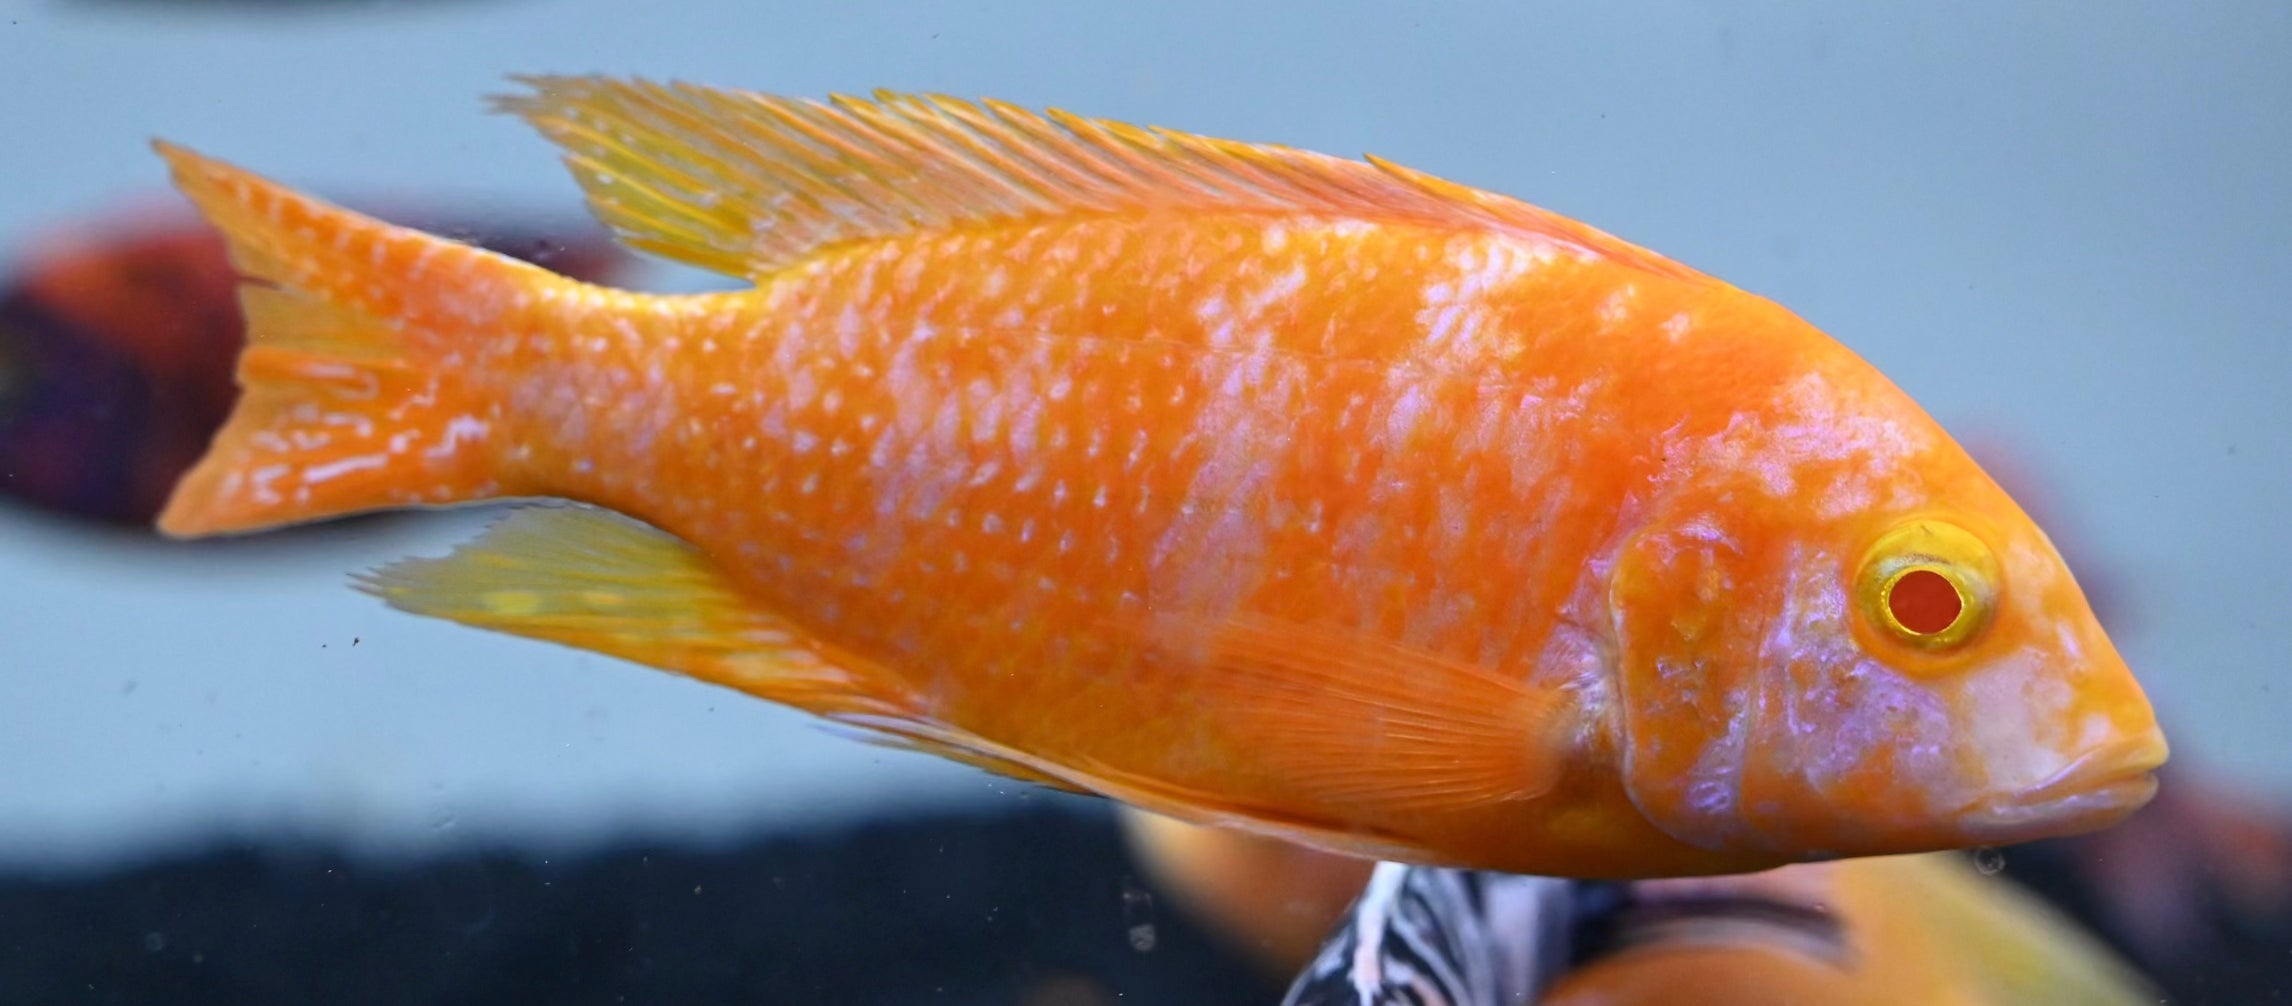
(357, 336)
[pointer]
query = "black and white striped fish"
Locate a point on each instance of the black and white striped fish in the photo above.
(1427, 936)
(1434, 937)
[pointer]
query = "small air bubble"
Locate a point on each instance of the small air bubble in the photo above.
(154, 942)
(1138, 915)
(1989, 861)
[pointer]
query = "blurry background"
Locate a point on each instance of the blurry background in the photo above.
(2065, 229)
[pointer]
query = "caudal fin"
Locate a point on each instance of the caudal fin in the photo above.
(358, 336)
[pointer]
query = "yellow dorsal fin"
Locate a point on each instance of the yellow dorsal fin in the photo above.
(747, 184)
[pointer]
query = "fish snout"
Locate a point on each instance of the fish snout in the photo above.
(2093, 790)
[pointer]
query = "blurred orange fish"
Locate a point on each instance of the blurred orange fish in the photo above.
(116, 341)
(1910, 931)
(1251, 486)
(1273, 900)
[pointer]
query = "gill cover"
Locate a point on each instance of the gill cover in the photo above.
(1687, 677)
(1781, 693)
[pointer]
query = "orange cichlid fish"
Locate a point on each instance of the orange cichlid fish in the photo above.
(1247, 485)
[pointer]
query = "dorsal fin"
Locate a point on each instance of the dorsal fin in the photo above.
(747, 184)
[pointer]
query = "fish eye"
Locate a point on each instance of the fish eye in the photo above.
(1928, 583)
(1923, 601)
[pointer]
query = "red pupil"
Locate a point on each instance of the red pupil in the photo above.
(1924, 602)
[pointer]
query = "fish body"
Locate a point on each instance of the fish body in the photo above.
(1255, 487)
(1433, 936)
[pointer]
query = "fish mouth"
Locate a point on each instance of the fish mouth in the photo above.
(2100, 788)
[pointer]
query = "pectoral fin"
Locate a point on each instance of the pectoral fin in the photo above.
(1364, 721)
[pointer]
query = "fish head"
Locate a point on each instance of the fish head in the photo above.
(1841, 637)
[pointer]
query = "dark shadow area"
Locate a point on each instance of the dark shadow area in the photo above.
(1025, 908)
(1034, 908)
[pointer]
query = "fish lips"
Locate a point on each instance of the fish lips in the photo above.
(2098, 789)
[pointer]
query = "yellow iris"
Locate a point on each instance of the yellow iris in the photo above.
(1928, 583)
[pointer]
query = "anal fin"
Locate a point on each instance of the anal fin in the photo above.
(1155, 795)
(908, 733)
(1352, 723)
(1362, 727)
(599, 581)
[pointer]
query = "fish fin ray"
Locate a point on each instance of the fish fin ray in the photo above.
(1196, 807)
(596, 580)
(342, 409)
(907, 733)
(746, 184)
(1371, 722)
(1092, 777)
